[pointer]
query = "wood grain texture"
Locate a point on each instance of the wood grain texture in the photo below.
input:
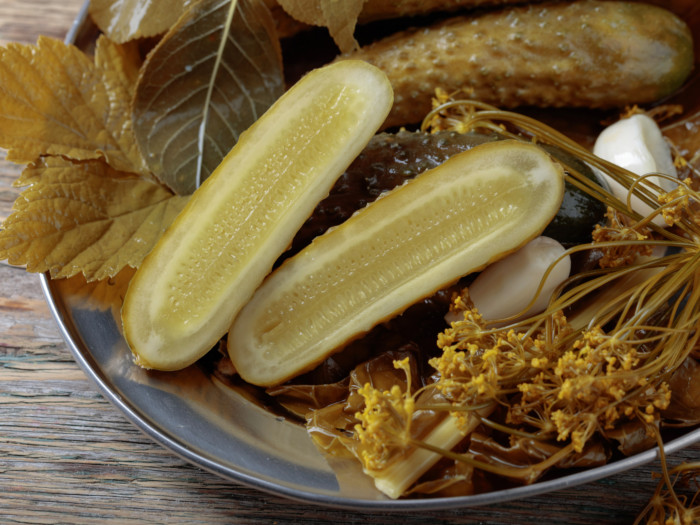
(68, 456)
(24, 20)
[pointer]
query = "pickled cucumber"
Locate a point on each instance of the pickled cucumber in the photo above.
(476, 207)
(188, 290)
(587, 53)
(390, 159)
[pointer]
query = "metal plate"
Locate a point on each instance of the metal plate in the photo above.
(213, 427)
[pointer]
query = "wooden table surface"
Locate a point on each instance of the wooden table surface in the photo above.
(68, 456)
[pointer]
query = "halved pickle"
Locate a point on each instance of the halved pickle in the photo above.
(188, 290)
(475, 208)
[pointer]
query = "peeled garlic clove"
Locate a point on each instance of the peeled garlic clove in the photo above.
(636, 144)
(506, 287)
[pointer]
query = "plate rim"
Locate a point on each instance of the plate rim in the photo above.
(174, 444)
(78, 30)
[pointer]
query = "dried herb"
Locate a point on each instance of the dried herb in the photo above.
(84, 217)
(125, 20)
(210, 77)
(91, 204)
(339, 17)
(55, 100)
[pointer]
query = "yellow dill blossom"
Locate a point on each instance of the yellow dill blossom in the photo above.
(616, 231)
(384, 428)
(539, 362)
(449, 118)
(591, 387)
(680, 203)
(479, 365)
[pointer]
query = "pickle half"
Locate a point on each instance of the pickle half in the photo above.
(207, 265)
(477, 207)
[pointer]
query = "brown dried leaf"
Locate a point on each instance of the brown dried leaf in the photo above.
(119, 66)
(55, 101)
(285, 24)
(84, 217)
(339, 17)
(684, 409)
(209, 79)
(125, 20)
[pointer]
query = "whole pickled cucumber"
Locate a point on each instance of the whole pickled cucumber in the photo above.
(390, 159)
(588, 53)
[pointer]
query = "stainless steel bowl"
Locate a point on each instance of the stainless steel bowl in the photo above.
(221, 431)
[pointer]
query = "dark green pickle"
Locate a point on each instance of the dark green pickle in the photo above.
(579, 212)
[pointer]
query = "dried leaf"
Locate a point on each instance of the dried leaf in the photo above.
(55, 101)
(684, 409)
(208, 80)
(285, 24)
(84, 217)
(125, 20)
(118, 66)
(340, 17)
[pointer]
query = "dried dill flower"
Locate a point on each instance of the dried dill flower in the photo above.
(384, 428)
(624, 242)
(666, 506)
(598, 358)
(592, 386)
(400, 434)
(480, 365)
(680, 204)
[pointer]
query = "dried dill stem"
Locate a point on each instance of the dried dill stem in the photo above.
(388, 448)
(666, 506)
(632, 322)
(395, 473)
(396, 452)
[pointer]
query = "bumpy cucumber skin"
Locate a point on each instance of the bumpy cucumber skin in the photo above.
(579, 212)
(596, 54)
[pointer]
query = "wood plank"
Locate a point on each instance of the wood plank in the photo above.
(24, 20)
(68, 456)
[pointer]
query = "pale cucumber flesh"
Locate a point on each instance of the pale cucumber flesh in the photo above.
(452, 220)
(219, 249)
(232, 226)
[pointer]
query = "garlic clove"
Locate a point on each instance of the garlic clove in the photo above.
(636, 144)
(506, 287)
